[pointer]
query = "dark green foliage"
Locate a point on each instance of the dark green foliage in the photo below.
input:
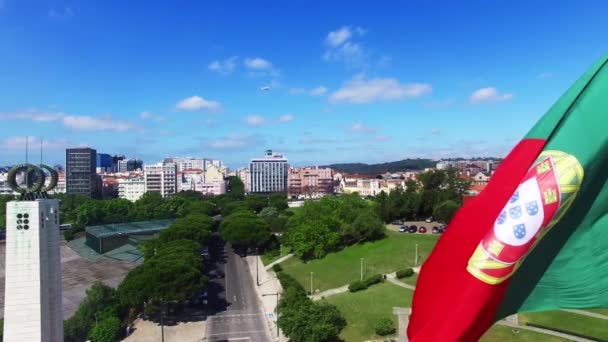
(357, 286)
(277, 268)
(373, 279)
(107, 330)
(408, 272)
(278, 200)
(245, 229)
(256, 202)
(302, 320)
(100, 299)
(288, 282)
(196, 227)
(68, 235)
(374, 169)
(445, 211)
(236, 188)
(385, 326)
(234, 207)
(320, 227)
(174, 272)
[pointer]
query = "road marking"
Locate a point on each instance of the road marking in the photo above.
(239, 338)
(234, 298)
(239, 332)
(238, 315)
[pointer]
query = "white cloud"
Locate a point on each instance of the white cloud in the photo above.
(89, 123)
(341, 47)
(286, 118)
(360, 128)
(146, 115)
(297, 91)
(544, 75)
(258, 63)
(61, 13)
(196, 102)
(233, 141)
(32, 115)
(255, 120)
(360, 90)
(18, 143)
(224, 67)
(338, 37)
(489, 94)
(318, 91)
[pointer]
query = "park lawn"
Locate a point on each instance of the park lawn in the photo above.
(499, 333)
(395, 252)
(363, 309)
(271, 256)
(567, 321)
(410, 280)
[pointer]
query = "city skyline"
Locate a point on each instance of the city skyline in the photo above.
(361, 84)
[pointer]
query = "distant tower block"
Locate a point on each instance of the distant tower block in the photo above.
(32, 298)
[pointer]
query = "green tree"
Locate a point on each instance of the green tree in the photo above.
(174, 272)
(445, 211)
(269, 213)
(245, 229)
(234, 207)
(366, 227)
(150, 206)
(107, 330)
(196, 227)
(98, 298)
(312, 240)
(236, 188)
(278, 200)
(383, 207)
(117, 210)
(197, 207)
(256, 202)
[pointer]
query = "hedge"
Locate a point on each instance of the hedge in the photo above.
(385, 326)
(373, 279)
(357, 286)
(408, 272)
(277, 268)
(288, 281)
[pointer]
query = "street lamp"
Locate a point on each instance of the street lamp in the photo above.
(276, 309)
(257, 267)
(311, 290)
(162, 325)
(361, 269)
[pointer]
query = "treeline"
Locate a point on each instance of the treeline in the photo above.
(320, 227)
(374, 169)
(438, 194)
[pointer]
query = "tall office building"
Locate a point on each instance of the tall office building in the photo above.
(161, 178)
(128, 165)
(269, 174)
(104, 163)
(80, 165)
(32, 296)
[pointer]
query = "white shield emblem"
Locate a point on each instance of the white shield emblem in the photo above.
(522, 217)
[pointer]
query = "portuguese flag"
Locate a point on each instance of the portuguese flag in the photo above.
(536, 238)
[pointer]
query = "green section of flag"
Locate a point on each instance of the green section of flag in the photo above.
(569, 267)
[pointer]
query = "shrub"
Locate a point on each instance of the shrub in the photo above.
(68, 235)
(373, 279)
(385, 326)
(288, 281)
(357, 286)
(408, 272)
(277, 268)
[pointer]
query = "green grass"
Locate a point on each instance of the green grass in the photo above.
(589, 326)
(271, 256)
(499, 333)
(410, 280)
(599, 311)
(363, 309)
(388, 255)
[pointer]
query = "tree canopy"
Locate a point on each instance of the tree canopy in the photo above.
(245, 229)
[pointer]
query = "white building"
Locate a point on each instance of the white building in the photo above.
(369, 186)
(4, 188)
(161, 178)
(269, 174)
(131, 188)
(32, 296)
(444, 165)
(186, 163)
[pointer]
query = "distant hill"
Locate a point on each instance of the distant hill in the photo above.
(374, 169)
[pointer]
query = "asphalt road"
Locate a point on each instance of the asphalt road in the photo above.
(235, 313)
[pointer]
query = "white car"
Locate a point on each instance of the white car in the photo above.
(429, 219)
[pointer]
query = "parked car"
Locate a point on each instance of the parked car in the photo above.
(403, 229)
(422, 230)
(429, 219)
(435, 230)
(412, 229)
(396, 222)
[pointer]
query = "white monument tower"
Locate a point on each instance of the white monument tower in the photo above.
(32, 297)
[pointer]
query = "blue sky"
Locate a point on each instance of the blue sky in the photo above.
(331, 81)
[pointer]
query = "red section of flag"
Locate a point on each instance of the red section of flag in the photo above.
(449, 303)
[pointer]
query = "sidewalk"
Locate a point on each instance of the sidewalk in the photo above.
(330, 292)
(269, 284)
(183, 332)
(278, 261)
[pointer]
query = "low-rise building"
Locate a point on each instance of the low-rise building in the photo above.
(310, 182)
(132, 188)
